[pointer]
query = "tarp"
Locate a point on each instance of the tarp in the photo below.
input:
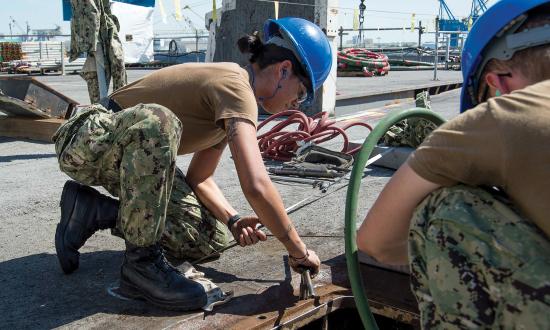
(136, 27)
(142, 3)
(67, 12)
(136, 31)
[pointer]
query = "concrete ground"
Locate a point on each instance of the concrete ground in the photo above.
(74, 87)
(37, 295)
(348, 86)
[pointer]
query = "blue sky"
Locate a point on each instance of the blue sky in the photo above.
(380, 13)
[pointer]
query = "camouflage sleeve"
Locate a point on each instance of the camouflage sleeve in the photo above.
(84, 27)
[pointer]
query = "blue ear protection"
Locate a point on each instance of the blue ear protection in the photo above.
(284, 73)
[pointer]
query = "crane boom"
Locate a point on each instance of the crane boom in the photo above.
(14, 22)
(444, 8)
(478, 8)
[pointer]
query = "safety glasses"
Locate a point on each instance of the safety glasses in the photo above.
(302, 93)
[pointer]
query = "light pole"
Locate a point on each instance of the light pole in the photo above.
(362, 8)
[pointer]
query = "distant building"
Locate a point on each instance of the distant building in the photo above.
(46, 34)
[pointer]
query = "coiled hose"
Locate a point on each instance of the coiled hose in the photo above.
(359, 59)
(350, 229)
(280, 144)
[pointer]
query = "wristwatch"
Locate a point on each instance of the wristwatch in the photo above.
(231, 221)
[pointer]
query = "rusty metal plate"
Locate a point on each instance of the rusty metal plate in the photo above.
(15, 107)
(27, 97)
(278, 306)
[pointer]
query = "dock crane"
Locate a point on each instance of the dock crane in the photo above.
(478, 8)
(449, 22)
(12, 22)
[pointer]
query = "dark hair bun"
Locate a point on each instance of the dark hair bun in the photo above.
(250, 44)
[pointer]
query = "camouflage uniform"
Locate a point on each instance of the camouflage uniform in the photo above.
(411, 132)
(132, 154)
(92, 81)
(476, 264)
(93, 23)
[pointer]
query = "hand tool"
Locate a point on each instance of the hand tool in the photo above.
(304, 202)
(324, 189)
(316, 183)
(306, 170)
(306, 286)
(293, 179)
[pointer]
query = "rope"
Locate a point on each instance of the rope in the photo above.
(360, 59)
(281, 144)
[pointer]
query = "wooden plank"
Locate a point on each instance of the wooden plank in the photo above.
(17, 107)
(27, 128)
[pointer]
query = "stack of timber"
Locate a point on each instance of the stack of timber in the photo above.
(30, 109)
(10, 51)
(40, 57)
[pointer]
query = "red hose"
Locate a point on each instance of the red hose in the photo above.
(359, 59)
(280, 144)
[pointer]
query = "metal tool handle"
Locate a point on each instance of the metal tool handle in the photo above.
(198, 261)
(306, 286)
(304, 202)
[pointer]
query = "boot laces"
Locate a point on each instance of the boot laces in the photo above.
(163, 264)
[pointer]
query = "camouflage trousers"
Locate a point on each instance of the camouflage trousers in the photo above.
(132, 154)
(411, 132)
(476, 264)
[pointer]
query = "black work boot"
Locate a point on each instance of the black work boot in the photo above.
(146, 274)
(83, 212)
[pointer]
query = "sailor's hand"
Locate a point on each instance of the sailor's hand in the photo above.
(309, 260)
(245, 231)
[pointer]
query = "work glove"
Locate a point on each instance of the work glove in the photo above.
(309, 261)
(245, 233)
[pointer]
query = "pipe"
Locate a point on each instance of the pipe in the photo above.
(350, 234)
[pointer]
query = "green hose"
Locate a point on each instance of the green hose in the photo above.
(351, 203)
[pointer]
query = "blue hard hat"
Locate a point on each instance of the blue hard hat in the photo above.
(309, 44)
(493, 30)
